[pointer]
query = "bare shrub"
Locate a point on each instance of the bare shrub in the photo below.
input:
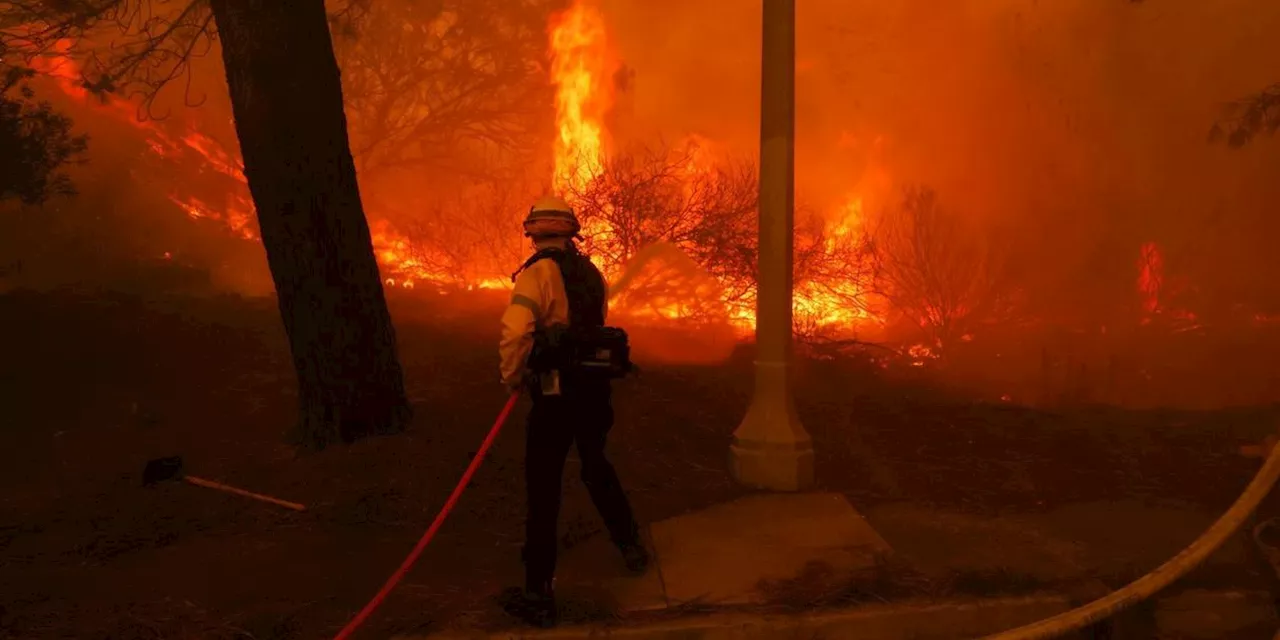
(128, 48)
(1247, 118)
(834, 276)
(662, 195)
(709, 212)
(471, 236)
(447, 88)
(937, 270)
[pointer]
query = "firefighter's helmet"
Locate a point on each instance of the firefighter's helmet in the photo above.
(551, 217)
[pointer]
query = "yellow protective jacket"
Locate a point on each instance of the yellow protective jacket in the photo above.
(537, 300)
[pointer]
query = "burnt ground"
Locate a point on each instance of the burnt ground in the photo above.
(92, 386)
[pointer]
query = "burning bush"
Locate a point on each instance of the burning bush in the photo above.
(834, 275)
(469, 240)
(659, 194)
(707, 210)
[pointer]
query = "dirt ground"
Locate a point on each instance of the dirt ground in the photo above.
(92, 386)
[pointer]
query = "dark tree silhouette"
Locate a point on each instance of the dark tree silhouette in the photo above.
(1250, 117)
(445, 86)
(287, 100)
(940, 272)
(1247, 118)
(38, 143)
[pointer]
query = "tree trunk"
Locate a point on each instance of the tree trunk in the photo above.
(286, 96)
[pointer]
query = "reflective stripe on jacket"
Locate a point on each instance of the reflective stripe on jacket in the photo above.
(537, 300)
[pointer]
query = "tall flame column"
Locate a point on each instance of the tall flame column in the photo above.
(771, 449)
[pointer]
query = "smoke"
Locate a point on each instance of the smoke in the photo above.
(661, 282)
(1080, 123)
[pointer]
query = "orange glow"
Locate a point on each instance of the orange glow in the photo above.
(394, 251)
(579, 71)
(1158, 291)
(862, 142)
(825, 304)
(919, 354)
(581, 67)
(1150, 277)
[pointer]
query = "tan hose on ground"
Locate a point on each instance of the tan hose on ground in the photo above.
(1162, 576)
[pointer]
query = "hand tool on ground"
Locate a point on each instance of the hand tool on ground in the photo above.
(170, 468)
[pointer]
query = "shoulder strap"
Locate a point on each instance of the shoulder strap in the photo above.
(583, 284)
(585, 287)
(544, 253)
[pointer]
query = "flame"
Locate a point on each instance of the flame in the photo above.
(699, 158)
(1159, 293)
(581, 67)
(1150, 277)
(826, 303)
(395, 253)
(579, 71)
(919, 353)
(237, 219)
(58, 65)
(217, 158)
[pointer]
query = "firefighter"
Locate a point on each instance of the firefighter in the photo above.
(557, 288)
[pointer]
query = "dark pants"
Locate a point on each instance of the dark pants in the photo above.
(582, 415)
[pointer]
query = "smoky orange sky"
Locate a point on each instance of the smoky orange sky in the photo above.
(1090, 116)
(1084, 122)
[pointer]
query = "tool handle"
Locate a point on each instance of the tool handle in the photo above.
(209, 484)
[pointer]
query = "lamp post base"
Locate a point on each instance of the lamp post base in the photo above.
(772, 466)
(771, 450)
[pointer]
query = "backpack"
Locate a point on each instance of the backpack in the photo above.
(585, 347)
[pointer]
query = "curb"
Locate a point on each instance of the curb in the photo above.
(1195, 613)
(1201, 613)
(918, 621)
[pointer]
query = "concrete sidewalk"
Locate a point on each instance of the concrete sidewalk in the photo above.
(917, 621)
(1188, 616)
(731, 554)
(735, 560)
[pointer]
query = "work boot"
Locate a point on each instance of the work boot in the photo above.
(635, 556)
(535, 605)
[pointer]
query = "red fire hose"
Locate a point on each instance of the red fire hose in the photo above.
(391, 583)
